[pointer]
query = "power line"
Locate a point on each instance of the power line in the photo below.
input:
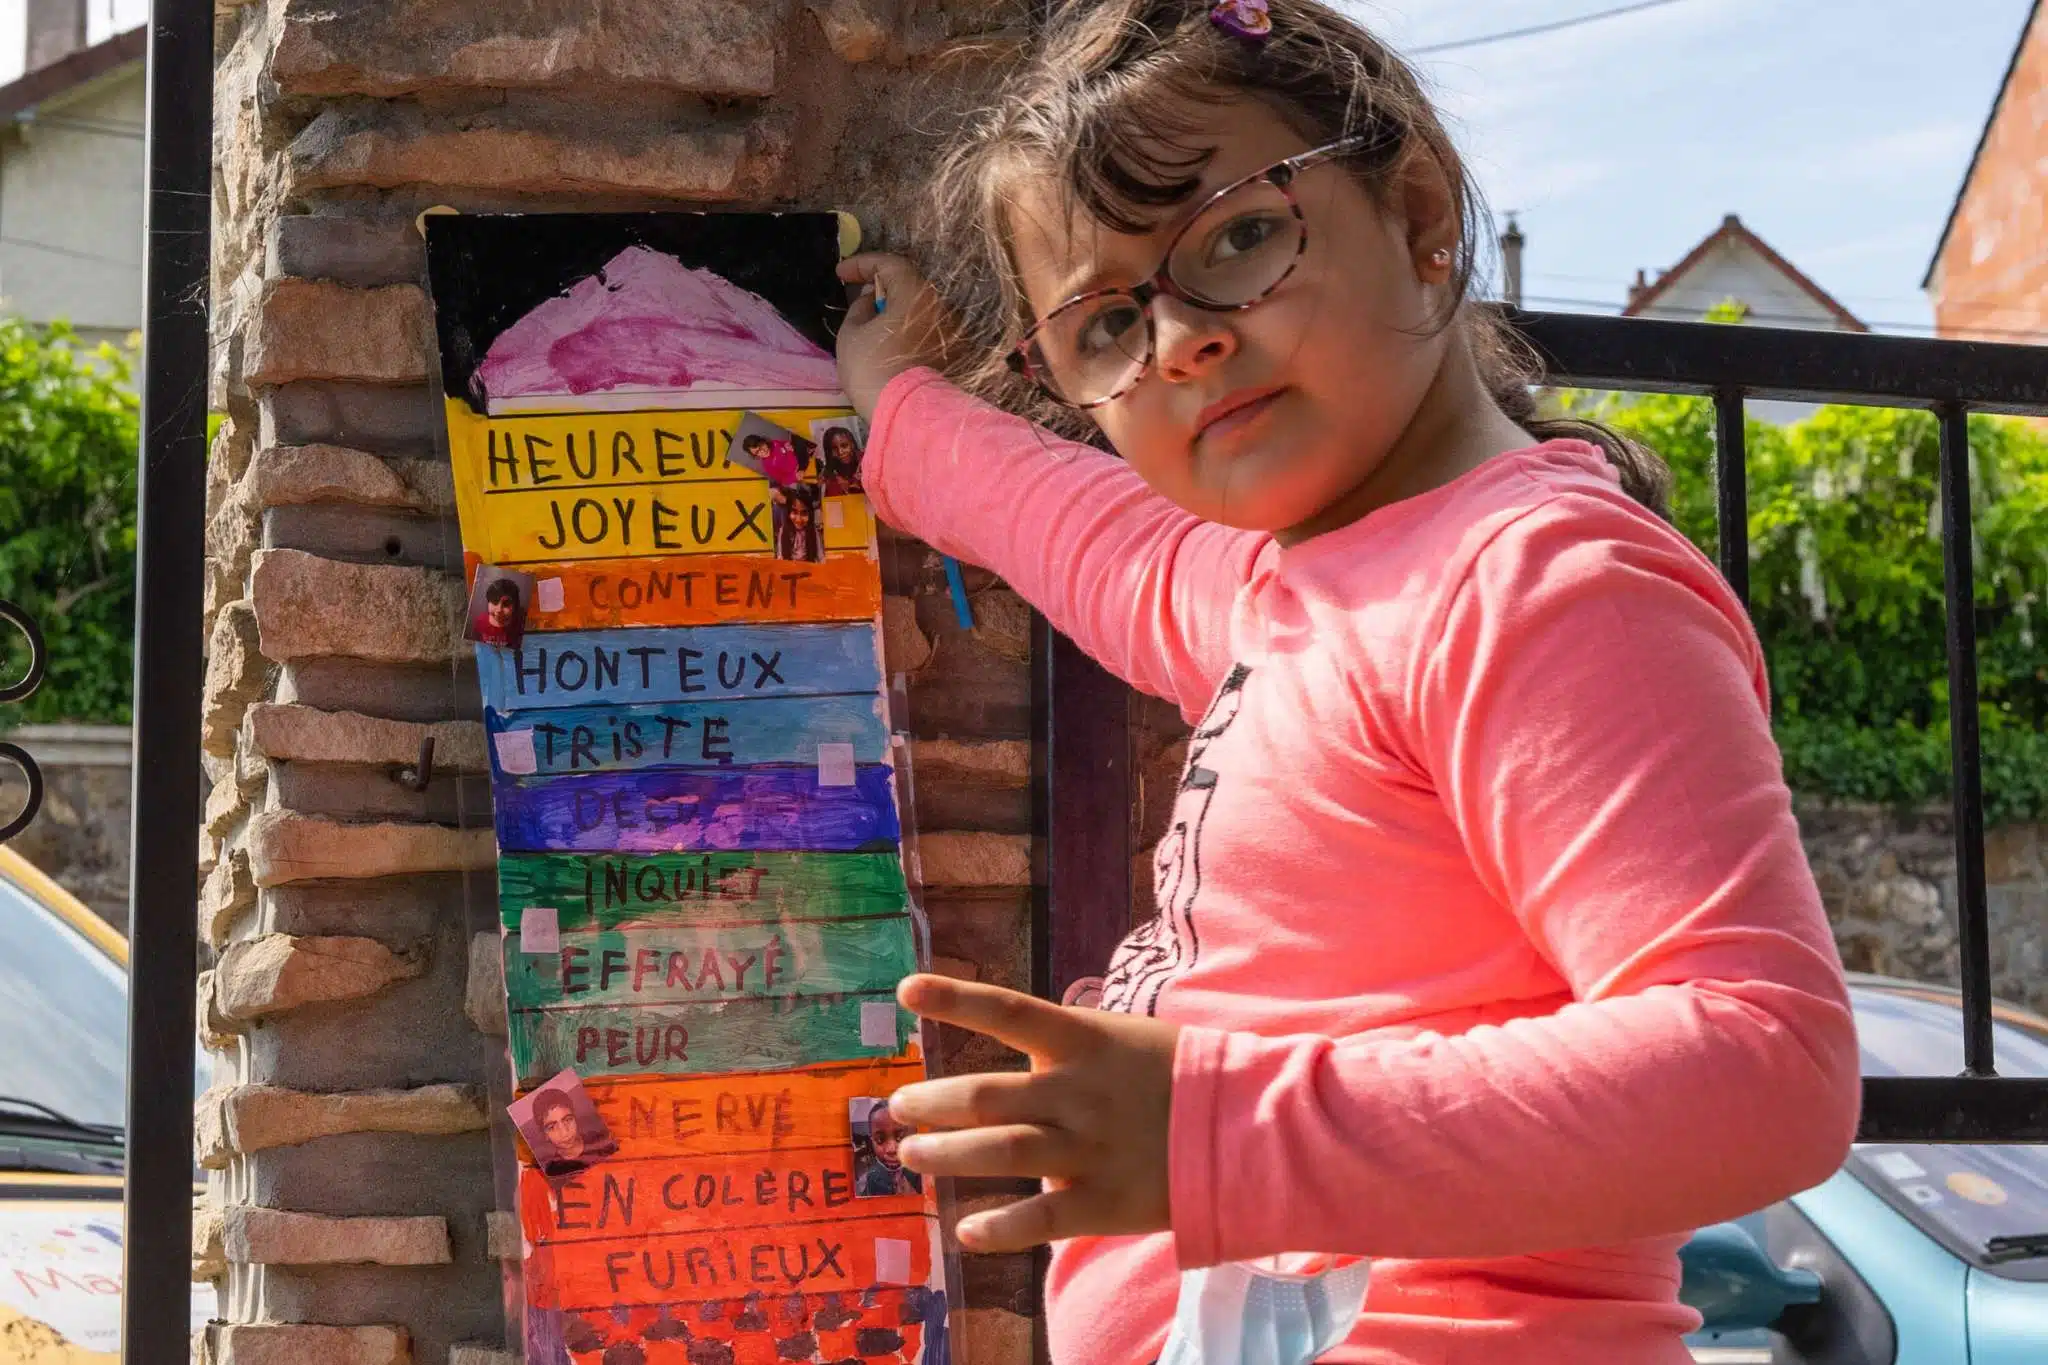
(1554, 26)
(1609, 306)
(75, 255)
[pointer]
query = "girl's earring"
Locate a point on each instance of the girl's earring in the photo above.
(1440, 259)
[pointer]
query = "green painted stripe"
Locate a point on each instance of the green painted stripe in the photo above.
(605, 890)
(679, 964)
(683, 1040)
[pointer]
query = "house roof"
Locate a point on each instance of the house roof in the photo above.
(1732, 229)
(1984, 135)
(68, 73)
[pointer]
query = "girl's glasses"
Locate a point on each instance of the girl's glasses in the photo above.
(1238, 247)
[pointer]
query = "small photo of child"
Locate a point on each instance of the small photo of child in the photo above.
(498, 602)
(561, 1126)
(877, 1169)
(776, 453)
(799, 518)
(841, 442)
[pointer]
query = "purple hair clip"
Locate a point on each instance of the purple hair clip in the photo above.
(1246, 19)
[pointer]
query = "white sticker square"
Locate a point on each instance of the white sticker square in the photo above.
(892, 1261)
(548, 594)
(515, 751)
(835, 514)
(1898, 1166)
(878, 1023)
(835, 765)
(540, 930)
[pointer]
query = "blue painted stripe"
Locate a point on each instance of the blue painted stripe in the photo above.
(694, 810)
(698, 664)
(731, 734)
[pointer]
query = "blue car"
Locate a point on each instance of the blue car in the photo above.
(1909, 1255)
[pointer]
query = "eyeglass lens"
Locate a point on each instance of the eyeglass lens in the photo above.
(1232, 254)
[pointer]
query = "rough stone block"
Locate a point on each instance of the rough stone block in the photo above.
(285, 847)
(226, 803)
(402, 145)
(316, 329)
(305, 605)
(256, 1118)
(903, 643)
(306, 733)
(235, 674)
(355, 793)
(386, 47)
(279, 972)
(375, 417)
(998, 763)
(974, 860)
(504, 1239)
(277, 1237)
(431, 484)
(364, 252)
(1002, 624)
(424, 693)
(245, 1343)
(209, 1257)
(215, 1033)
(993, 1336)
(228, 893)
(484, 999)
(364, 535)
(394, 909)
(461, 1301)
(283, 475)
(476, 1353)
(857, 30)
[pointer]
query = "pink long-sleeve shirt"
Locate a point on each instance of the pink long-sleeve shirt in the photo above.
(1482, 903)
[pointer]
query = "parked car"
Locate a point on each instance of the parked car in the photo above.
(1910, 1254)
(63, 1079)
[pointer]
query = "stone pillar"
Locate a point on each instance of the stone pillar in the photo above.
(352, 1211)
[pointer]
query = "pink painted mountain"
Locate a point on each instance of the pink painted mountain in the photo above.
(647, 321)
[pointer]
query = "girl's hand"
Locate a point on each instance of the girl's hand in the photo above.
(910, 329)
(1090, 1119)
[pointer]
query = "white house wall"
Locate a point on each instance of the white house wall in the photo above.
(1733, 269)
(71, 208)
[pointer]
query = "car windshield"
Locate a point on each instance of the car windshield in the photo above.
(63, 1015)
(1978, 1200)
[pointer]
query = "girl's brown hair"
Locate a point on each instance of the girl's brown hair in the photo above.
(1108, 108)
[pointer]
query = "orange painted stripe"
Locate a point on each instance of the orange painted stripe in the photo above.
(705, 590)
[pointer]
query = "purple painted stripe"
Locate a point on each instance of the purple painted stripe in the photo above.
(680, 810)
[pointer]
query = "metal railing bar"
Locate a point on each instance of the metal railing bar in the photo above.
(1999, 1109)
(1787, 363)
(1966, 776)
(1731, 491)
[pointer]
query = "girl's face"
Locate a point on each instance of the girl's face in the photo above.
(1262, 418)
(500, 611)
(799, 513)
(842, 447)
(559, 1123)
(886, 1135)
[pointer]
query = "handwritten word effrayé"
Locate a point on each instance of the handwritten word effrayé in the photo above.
(672, 968)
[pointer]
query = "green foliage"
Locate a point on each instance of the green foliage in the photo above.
(68, 429)
(1847, 591)
(1730, 309)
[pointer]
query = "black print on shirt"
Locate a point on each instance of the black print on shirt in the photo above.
(1169, 944)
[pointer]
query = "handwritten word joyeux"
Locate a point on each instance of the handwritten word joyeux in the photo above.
(616, 667)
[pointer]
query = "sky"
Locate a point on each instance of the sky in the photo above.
(1839, 130)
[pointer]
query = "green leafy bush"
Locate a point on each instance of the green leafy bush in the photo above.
(68, 428)
(1847, 591)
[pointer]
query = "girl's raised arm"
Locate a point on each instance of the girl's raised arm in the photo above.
(1593, 714)
(1143, 586)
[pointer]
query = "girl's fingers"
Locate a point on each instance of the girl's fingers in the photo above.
(1014, 1150)
(1038, 1028)
(978, 1101)
(1042, 1218)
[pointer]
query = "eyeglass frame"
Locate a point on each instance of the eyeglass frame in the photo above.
(1282, 174)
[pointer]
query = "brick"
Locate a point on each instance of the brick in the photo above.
(283, 475)
(226, 803)
(352, 792)
(974, 860)
(287, 847)
(276, 1237)
(993, 1336)
(416, 692)
(857, 30)
(316, 329)
(235, 675)
(999, 763)
(228, 893)
(376, 417)
(1002, 624)
(306, 1344)
(215, 1033)
(305, 605)
(360, 251)
(497, 152)
(364, 535)
(503, 1237)
(306, 733)
(209, 1260)
(483, 1000)
(278, 972)
(388, 47)
(255, 1118)
(430, 484)
(904, 645)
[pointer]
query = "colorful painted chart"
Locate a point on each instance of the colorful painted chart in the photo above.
(676, 598)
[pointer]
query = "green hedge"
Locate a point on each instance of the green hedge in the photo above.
(1846, 588)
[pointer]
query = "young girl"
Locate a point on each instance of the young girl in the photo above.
(1487, 947)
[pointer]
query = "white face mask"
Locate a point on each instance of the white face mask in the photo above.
(1244, 1314)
